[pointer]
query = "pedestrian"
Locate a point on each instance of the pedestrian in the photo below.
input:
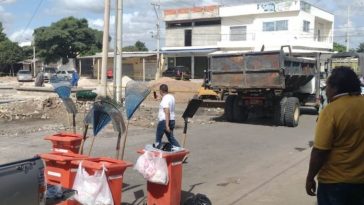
(337, 157)
(166, 118)
(75, 78)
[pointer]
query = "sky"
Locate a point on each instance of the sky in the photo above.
(21, 17)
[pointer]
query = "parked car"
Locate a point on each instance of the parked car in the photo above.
(24, 75)
(178, 72)
(65, 74)
(48, 73)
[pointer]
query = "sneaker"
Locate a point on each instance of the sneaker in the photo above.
(157, 145)
(176, 149)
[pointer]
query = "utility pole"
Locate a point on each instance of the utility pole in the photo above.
(105, 48)
(347, 31)
(115, 51)
(119, 52)
(157, 9)
(34, 58)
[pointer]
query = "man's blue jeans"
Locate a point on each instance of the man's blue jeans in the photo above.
(161, 130)
(340, 194)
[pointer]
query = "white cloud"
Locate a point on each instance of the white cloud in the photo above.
(96, 6)
(5, 17)
(7, 1)
(22, 35)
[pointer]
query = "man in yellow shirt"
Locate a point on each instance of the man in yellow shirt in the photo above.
(338, 153)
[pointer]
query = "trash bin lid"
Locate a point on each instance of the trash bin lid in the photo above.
(64, 137)
(112, 165)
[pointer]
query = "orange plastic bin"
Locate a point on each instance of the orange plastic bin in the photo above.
(114, 173)
(169, 194)
(59, 169)
(65, 142)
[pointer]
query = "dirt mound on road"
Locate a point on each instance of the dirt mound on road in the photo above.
(182, 90)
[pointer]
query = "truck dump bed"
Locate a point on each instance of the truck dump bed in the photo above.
(267, 70)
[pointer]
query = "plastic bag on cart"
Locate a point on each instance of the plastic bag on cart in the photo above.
(153, 168)
(92, 189)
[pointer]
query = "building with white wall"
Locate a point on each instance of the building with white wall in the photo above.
(192, 33)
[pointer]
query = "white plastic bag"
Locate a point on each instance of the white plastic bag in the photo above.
(153, 168)
(92, 189)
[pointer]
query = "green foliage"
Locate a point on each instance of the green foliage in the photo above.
(67, 38)
(2, 34)
(138, 46)
(339, 48)
(10, 53)
(360, 48)
(28, 52)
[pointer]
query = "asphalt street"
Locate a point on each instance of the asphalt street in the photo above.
(253, 163)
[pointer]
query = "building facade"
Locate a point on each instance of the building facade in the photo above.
(193, 33)
(136, 65)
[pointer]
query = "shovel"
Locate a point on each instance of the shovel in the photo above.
(190, 111)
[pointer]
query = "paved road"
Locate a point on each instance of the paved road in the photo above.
(231, 163)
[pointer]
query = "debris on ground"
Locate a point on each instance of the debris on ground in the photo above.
(47, 108)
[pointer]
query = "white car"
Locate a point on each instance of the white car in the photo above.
(24, 75)
(65, 74)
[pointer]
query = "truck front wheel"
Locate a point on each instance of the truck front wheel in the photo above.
(292, 112)
(229, 102)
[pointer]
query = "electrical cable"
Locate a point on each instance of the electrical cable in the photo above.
(32, 17)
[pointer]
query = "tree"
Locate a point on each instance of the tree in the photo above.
(10, 53)
(27, 52)
(138, 46)
(2, 34)
(360, 48)
(67, 38)
(339, 48)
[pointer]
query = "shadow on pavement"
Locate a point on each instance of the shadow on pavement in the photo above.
(261, 119)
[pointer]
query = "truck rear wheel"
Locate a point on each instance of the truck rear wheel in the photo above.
(292, 112)
(279, 111)
(228, 110)
(240, 113)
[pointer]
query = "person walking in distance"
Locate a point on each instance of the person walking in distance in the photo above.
(337, 157)
(166, 118)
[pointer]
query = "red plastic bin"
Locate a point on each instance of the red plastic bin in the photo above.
(65, 142)
(59, 169)
(114, 173)
(169, 194)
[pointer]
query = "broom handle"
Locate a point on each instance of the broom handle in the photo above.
(124, 142)
(74, 122)
(185, 132)
(83, 139)
(92, 144)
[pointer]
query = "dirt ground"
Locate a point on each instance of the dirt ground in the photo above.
(37, 111)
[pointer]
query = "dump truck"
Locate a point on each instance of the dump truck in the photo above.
(273, 83)
(351, 59)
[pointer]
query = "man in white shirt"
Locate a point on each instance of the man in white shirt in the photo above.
(166, 118)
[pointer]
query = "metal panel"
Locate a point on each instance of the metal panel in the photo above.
(248, 62)
(265, 70)
(248, 80)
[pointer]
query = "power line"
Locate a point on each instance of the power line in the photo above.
(31, 18)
